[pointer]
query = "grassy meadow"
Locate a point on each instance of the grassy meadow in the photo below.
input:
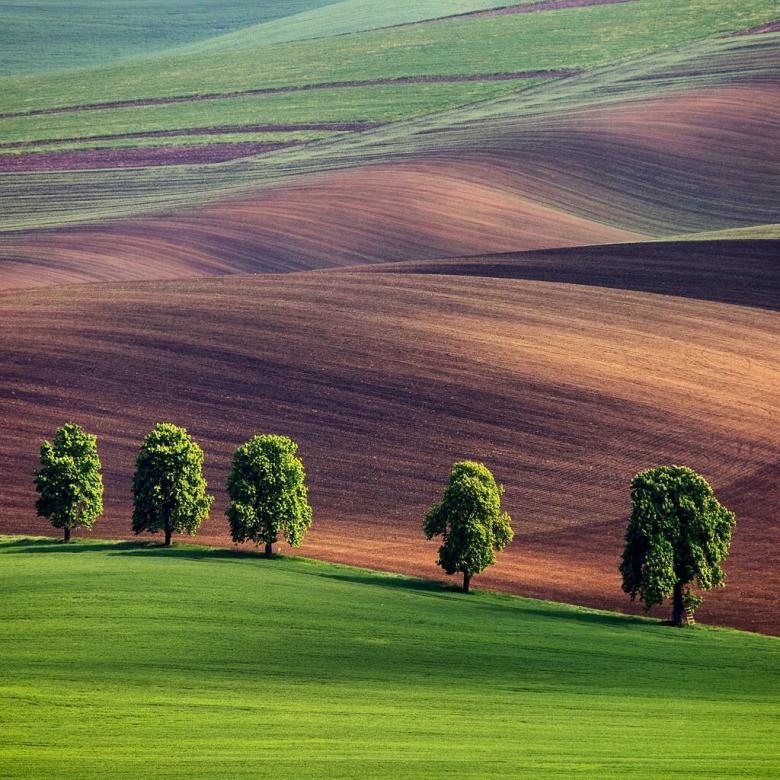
(68, 35)
(127, 659)
(377, 103)
(589, 37)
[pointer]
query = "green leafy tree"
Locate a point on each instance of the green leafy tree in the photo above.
(69, 480)
(470, 521)
(169, 489)
(678, 534)
(267, 493)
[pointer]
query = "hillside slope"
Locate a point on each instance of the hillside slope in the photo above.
(612, 172)
(564, 390)
(293, 668)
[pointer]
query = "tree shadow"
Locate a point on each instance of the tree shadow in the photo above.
(48, 545)
(570, 612)
(189, 552)
(128, 547)
(391, 582)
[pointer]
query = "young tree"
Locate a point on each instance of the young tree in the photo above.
(169, 490)
(69, 480)
(470, 521)
(267, 493)
(678, 533)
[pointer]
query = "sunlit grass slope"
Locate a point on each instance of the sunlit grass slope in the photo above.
(587, 37)
(127, 661)
(347, 16)
(43, 36)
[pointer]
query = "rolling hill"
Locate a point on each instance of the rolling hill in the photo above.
(566, 390)
(295, 668)
(543, 235)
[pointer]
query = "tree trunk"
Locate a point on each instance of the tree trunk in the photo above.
(66, 534)
(168, 532)
(269, 552)
(677, 606)
(466, 581)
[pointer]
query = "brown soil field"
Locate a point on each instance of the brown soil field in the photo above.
(616, 173)
(743, 271)
(370, 214)
(564, 390)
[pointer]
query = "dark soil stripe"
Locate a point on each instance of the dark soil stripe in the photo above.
(435, 79)
(86, 159)
(769, 27)
(529, 8)
(344, 127)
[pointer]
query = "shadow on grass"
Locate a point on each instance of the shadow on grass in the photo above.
(335, 572)
(574, 613)
(45, 545)
(134, 547)
(390, 581)
(188, 552)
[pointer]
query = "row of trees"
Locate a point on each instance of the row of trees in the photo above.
(266, 486)
(678, 533)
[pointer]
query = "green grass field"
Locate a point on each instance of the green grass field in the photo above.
(379, 103)
(127, 660)
(44, 35)
(588, 37)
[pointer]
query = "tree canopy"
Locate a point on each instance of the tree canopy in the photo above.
(268, 496)
(470, 521)
(169, 490)
(69, 480)
(678, 534)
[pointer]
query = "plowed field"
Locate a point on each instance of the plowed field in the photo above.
(565, 391)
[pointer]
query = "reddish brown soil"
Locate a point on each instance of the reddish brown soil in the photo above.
(86, 159)
(386, 212)
(691, 162)
(692, 269)
(564, 390)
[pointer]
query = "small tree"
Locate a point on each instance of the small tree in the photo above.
(470, 520)
(267, 493)
(169, 490)
(677, 534)
(69, 480)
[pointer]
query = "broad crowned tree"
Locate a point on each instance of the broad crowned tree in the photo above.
(169, 490)
(678, 534)
(69, 480)
(267, 491)
(470, 521)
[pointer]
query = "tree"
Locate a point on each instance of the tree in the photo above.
(470, 521)
(678, 534)
(169, 490)
(69, 480)
(267, 493)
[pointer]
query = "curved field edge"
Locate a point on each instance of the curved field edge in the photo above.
(292, 667)
(565, 391)
(622, 171)
(50, 199)
(592, 38)
(743, 271)
(342, 18)
(37, 37)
